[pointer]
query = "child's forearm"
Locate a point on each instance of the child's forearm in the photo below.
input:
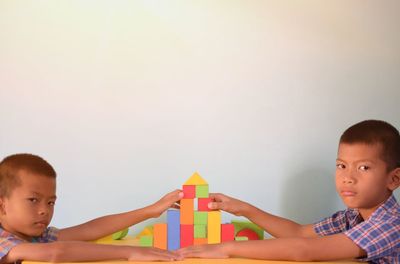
(296, 249)
(274, 225)
(106, 225)
(67, 251)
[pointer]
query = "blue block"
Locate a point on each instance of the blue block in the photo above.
(173, 229)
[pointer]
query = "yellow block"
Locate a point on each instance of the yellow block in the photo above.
(214, 227)
(195, 179)
(147, 231)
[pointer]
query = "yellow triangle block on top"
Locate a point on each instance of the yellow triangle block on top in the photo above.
(195, 179)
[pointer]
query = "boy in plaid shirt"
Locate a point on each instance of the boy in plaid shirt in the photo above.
(27, 198)
(367, 173)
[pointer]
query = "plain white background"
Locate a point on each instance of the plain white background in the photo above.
(126, 99)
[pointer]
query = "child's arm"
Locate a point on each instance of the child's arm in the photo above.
(106, 225)
(274, 225)
(84, 251)
(332, 247)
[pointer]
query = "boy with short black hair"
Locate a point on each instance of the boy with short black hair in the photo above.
(27, 199)
(367, 173)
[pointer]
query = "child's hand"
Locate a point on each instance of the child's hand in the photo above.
(169, 200)
(205, 251)
(153, 254)
(228, 204)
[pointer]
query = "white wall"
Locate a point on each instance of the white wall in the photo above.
(128, 98)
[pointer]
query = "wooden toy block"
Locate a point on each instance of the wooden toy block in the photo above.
(241, 224)
(200, 241)
(200, 218)
(187, 235)
(201, 191)
(227, 232)
(173, 230)
(148, 230)
(187, 211)
(249, 233)
(189, 191)
(146, 241)
(214, 227)
(195, 179)
(202, 204)
(239, 238)
(200, 231)
(160, 236)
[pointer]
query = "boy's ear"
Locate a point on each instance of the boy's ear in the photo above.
(394, 179)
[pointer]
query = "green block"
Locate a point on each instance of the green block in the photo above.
(200, 218)
(241, 224)
(146, 241)
(241, 238)
(201, 191)
(200, 231)
(120, 234)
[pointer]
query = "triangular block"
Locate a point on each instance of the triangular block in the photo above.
(195, 179)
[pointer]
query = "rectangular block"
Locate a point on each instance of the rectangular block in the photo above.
(200, 218)
(214, 227)
(146, 241)
(187, 235)
(189, 191)
(173, 229)
(187, 212)
(202, 191)
(200, 241)
(200, 231)
(160, 236)
(202, 204)
(227, 232)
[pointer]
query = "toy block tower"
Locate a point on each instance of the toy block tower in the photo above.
(194, 223)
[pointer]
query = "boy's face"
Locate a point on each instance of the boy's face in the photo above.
(28, 210)
(362, 179)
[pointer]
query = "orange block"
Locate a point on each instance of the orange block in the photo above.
(200, 241)
(187, 211)
(160, 236)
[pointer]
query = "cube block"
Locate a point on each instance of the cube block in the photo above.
(201, 191)
(200, 231)
(189, 191)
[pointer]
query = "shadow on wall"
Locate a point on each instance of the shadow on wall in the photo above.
(309, 196)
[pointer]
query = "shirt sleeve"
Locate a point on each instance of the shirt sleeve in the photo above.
(331, 225)
(6, 244)
(378, 238)
(49, 235)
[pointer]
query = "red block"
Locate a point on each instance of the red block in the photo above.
(247, 232)
(189, 191)
(187, 235)
(202, 204)
(227, 232)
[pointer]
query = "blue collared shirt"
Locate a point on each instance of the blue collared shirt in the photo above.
(379, 235)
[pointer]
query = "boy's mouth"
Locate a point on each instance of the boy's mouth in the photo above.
(347, 193)
(41, 224)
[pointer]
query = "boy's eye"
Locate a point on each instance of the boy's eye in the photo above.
(52, 203)
(33, 200)
(340, 166)
(364, 168)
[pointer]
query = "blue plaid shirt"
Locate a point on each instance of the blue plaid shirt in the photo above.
(8, 240)
(379, 235)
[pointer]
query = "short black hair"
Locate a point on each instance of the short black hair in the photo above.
(11, 165)
(376, 132)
